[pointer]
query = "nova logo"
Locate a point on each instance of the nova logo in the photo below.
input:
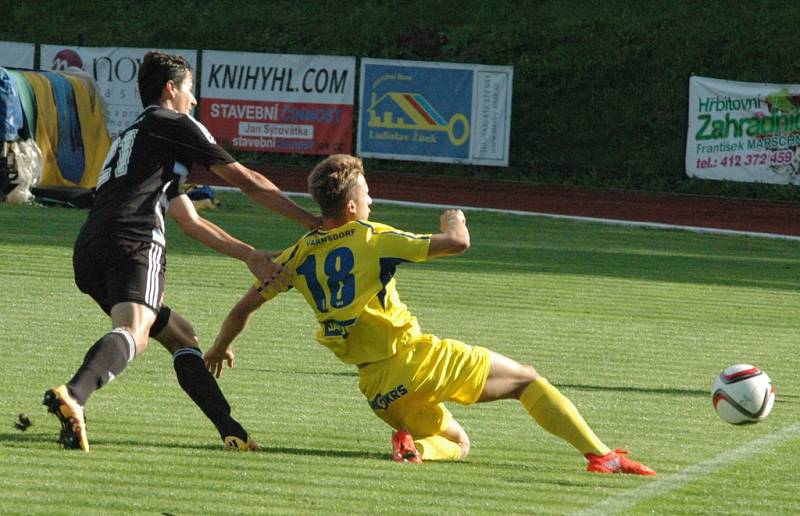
(382, 401)
(121, 69)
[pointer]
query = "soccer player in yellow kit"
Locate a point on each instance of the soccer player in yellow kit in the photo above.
(345, 271)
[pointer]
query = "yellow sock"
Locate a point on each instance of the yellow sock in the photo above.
(437, 447)
(555, 413)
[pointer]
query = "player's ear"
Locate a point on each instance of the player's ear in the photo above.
(170, 88)
(350, 207)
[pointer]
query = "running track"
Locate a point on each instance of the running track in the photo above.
(773, 217)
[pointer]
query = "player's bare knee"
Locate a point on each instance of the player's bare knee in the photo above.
(177, 334)
(455, 433)
(526, 375)
(142, 340)
(185, 330)
(465, 446)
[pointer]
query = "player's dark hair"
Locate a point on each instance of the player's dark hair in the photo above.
(156, 70)
(331, 182)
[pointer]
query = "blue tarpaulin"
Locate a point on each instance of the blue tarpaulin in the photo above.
(11, 118)
(69, 155)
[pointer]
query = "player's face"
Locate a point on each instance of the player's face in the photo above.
(361, 198)
(184, 100)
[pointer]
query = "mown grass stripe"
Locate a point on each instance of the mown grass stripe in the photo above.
(697, 471)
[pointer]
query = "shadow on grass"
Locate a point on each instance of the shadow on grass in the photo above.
(305, 373)
(349, 454)
(779, 398)
(20, 438)
(13, 438)
(643, 390)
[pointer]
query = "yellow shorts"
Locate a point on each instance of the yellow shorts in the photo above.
(408, 389)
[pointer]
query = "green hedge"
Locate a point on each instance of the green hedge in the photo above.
(600, 87)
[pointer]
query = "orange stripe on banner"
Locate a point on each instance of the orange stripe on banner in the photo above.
(411, 100)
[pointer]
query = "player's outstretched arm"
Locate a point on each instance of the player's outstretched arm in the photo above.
(454, 236)
(264, 192)
(210, 235)
(232, 326)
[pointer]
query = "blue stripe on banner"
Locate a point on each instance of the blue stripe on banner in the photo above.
(432, 112)
(69, 155)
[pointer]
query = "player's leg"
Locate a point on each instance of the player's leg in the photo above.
(407, 393)
(104, 361)
(507, 378)
(425, 432)
(126, 279)
(455, 433)
(452, 444)
(449, 370)
(133, 286)
(436, 435)
(551, 410)
(177, 335)
(109, 356)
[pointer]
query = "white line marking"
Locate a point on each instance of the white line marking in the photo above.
(628, 499)
(632, 223)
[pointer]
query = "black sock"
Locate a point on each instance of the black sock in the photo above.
(201, 386)
(105, 360)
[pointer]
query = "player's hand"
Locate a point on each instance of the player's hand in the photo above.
(263, 268)
(450, 218)
(215, 359)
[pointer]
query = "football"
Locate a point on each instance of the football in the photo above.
(743, 394)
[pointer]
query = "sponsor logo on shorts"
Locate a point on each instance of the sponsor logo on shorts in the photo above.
(382, 401)
(334, 328)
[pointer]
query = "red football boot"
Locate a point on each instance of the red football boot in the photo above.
(403, 448)
(616, 462)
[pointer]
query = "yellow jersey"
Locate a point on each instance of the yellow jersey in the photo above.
(346, 276)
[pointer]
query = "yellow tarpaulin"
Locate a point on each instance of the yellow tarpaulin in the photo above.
(93, 131)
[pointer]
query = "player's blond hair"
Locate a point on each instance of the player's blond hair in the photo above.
(331, 182)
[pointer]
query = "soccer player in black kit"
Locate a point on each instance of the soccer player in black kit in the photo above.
(119, 255)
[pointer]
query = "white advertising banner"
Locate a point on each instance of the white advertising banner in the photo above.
(115, 70)
(16, 55)
(742, 131)
(279, 102)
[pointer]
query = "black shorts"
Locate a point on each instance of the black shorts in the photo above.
(115, 270)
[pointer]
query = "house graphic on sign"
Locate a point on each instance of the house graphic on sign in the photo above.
(401, 110)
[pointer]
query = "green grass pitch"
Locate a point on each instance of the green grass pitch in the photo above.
(632, 324)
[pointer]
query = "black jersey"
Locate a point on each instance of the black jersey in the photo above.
(143, 171)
